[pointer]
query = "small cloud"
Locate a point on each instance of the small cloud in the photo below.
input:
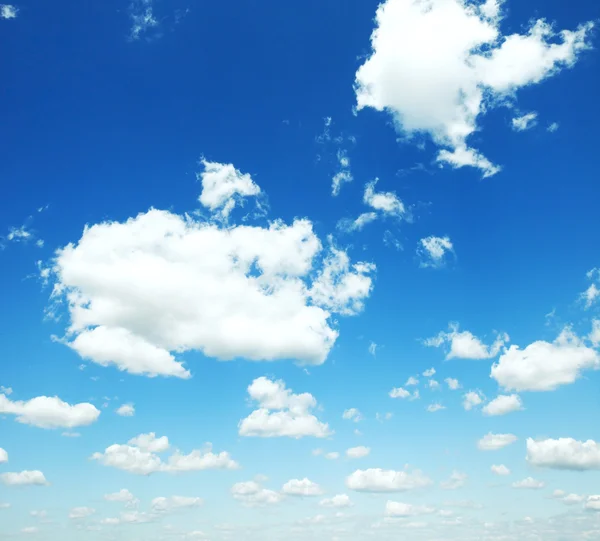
(433, 252)
(525, 122)
(429, 372)
(126, 410)
(352, 414)
(553, 127)
(8, 11)
(143, 20)
(373, 348)
(453, 384)
(432, 408)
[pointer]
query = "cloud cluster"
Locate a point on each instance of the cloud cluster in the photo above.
(465, 345)
(252, 494)
(281, 413)
(564, 454)
(437, 66)
(140, 456)
(24, 478)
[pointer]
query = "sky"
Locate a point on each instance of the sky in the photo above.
(325, 271)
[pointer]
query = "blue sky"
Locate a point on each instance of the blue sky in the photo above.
(324, 271)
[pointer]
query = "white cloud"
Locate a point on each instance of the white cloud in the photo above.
(432, 408)
(332, 456)
(525, 122)
(398, 509)
(8, 11)
(165, 505)
(373, 348)
(429, 372)
(453, 384)
(71, 434)
(564, 454)
(49, 412)
(142, 19)
(593, 503)
(472, 399)
(352, 414)
(412, 381)
(123, 496)
(378, 480)
(386, 203)
(259, 293)
(594, 336)
(301, 487)
(24, 478)
(433, 384)
(6, 390)
(126, 410)
(78, 513)
(344, 175)
(358, 452)
(553, 127)
(30, 530)
(544, 366)
(3, 456)
(456, 480)
(464, 345)
(399, 392)
(530, 483)
(224, 187)
(493, 442)
(338, 501)
(500, 469)
(252, 494)
(573, 499)
(292, 416)
(437, 66)
(503, 404)
(139, 456)
(433, 251)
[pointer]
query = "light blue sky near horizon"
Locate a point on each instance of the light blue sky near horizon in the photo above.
(97, 127)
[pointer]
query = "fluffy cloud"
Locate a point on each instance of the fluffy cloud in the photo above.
(593, 503)
(530, 483)
(544, 366)
(594, 336)
(49, 412)
(564, 454)
(143, 20)
(3, 456)
(503, 404)
(8, 11)
(400, 392)
(123, 496)
(464, 345)
(453, 384)
(492, 442)
(292, 416)
(456, 480)
(252, 494)
(378, 480)
(432, 408)
(160, 284)
(139, 456)
(126, 410)
(358, 452)
(500, 469)
(78, 513)
(301, 487)
(525, 122)
(332, 456)
(472, 399)
(352, 414)
(338, 501)
(429, 372)
(434, 251)
(24, 478)
(165, 505)
(592, 293)
(436, 66)
(412, 381)
(398, 509)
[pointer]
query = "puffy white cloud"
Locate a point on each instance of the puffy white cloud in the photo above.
(593, 503)
(160, 284)
(453, 384)
(500, 469)
(492, 442)
(224, 187)
(436, 66)
(332, 456)
(49, 412)
(292, 416)
(338, 501)
(358, 452)
(544, 366)
(378, 480)
(3, 456)
(130, 517)
(344, 175)
(433, 251)
(398, 509)
(472, 399)
(564, 454)
(411, 381)
(139, 457)
(352, 414)
(432, 408)
(24, 478)
(164, 505)
(457, 480)
(464, 345)
(573, 499)
(126, 410)
(143, 20)
(429, 372)
(525, 122)
(301, 487)
(503, 404)
(530, 483)
(8, 11)
(592, 293)
(399, 392)
(594, 336)
(252, 494)
(123, 496)
(6, 390)
(78, 513)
